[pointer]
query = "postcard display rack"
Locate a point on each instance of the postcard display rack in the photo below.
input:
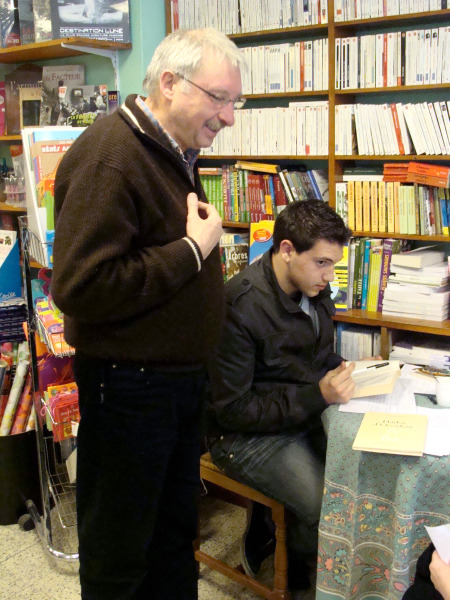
(56, 486)
(341, 21)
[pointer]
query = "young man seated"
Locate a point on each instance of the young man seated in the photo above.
(274, 372)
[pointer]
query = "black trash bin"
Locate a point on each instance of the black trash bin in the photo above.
(19, 476)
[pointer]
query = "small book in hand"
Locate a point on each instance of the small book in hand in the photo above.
(373, 377)
(392, 433)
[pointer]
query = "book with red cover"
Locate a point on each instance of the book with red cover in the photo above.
(442, 182)
(440, 171)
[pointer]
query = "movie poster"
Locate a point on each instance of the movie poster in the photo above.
(94, 19)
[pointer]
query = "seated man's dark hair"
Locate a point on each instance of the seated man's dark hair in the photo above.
(305, 222)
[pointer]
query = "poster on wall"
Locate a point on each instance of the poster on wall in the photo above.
(94, 19)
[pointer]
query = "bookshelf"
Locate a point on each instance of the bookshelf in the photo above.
(336, 163)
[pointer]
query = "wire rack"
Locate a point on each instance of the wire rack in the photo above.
(56, 488)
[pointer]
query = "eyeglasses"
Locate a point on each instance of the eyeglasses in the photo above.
(221, 101)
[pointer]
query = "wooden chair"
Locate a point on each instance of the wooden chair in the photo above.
(209, 472)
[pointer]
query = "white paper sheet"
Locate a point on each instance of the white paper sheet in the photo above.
(438, 439)
(440, 536)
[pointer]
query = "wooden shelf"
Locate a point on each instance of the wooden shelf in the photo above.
(374, 319)
(8, 208)
(11, 138)
(393, 90)
(272, 157)
(337, 163)
(394, 157)
(56, 49)
(396, 21)
(403, 236)
(288, 95)
(277, 34)
(236, 224)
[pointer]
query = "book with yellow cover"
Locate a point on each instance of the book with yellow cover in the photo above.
(358, 206)
(392, 433)
(375, 377)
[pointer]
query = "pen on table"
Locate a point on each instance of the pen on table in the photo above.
(377, 366)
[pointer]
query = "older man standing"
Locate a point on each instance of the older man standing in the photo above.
(137, 275)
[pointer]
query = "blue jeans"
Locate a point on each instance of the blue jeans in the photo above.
(137, 481)
(288, 467)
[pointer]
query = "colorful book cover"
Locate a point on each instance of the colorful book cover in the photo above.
(81, 105)
(376, 255)
(365, 273)
(236, 258)
(94, 19)
(261, 239)
(26, 21)
(42, 20)
(10, 274)
(339, 286)
(54, 77)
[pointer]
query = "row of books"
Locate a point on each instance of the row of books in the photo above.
(290, 67)
(392, 207)
(392, 129)
(417, 172)
(369, 264)
(355, 343)
(418, 292)
(349, 10)
(51, 95)
(242, 16)
(16, 390)
(250, 192)
(397, 58)
(25, 22)
(298, 129)
(417, 352)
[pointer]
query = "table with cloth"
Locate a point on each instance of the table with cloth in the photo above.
(374, 512)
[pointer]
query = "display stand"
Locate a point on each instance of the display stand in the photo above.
(54, 480)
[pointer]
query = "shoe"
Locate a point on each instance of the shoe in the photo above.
(298, 577)
(258, 541)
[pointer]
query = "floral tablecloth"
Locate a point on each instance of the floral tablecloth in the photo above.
(374, 510)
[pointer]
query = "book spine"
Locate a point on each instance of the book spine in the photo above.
(365, 274)
(385, 271)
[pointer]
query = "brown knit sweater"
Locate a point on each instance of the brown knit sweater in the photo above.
(125, 279)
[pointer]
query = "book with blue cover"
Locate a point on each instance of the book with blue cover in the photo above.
(10, 275)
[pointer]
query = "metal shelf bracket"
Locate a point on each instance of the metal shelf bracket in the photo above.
(113, 55)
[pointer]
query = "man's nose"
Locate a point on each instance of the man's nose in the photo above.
(226, 114)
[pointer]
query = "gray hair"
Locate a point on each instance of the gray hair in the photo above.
(183, 50)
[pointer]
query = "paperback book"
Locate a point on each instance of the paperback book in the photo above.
(392, 433)
(373, 378)
(81, 105)
(54, 77)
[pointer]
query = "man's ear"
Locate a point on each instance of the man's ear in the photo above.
(286, 250)
(166, 84)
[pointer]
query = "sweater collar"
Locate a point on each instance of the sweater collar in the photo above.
(189, 158)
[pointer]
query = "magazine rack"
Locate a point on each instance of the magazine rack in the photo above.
(56, 488)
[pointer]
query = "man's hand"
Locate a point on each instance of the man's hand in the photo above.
(337, 386)
(205, 231)
(440, 575)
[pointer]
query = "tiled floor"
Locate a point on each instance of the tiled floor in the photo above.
(26, 572)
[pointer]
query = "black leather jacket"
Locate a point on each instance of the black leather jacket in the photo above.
(264, 374)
